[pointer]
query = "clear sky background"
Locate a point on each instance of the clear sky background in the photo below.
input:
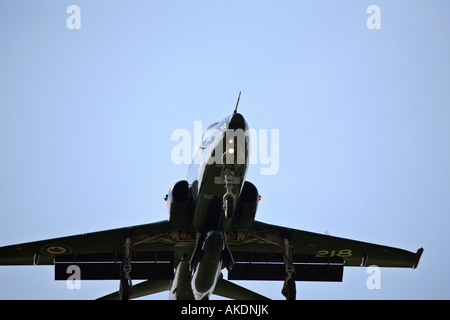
(86, 118)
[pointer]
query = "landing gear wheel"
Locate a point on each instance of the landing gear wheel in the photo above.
(125, 289)
(229, 207)
(291, 290)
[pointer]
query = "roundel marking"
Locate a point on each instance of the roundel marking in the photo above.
(56, 249)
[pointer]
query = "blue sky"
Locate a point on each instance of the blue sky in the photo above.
(86, 118)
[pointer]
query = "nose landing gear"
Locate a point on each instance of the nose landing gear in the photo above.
(229, 206)
(228, 198)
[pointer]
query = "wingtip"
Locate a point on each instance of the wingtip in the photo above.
(418, 256)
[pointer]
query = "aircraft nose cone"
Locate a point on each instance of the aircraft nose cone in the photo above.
(237, 121)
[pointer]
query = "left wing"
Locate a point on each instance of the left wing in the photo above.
(317, 257)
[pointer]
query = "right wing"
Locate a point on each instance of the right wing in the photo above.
(95, 243)
(99, 254)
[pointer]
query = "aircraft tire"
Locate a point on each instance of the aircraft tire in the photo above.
(124, 291)
(292, 291)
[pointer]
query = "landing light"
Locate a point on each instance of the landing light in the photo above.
(231, 150)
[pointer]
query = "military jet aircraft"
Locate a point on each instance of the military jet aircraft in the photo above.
(211, 227)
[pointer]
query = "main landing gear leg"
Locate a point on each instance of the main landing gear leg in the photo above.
(289, 290)
(126, 286)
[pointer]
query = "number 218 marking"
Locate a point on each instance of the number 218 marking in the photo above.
(344, 253)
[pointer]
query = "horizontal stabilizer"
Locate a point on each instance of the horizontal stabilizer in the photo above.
(231, 290)
(142, 289)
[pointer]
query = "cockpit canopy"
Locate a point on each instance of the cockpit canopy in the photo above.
(210, 133)
(235, 122)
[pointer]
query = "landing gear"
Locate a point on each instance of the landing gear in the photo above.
(125, 289)
(289, 289)
(228, 198)
(126, 286)
(229, 207)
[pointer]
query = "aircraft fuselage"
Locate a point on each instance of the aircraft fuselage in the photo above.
(216, 177)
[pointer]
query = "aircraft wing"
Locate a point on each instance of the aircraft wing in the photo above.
(99, 254)
(257, 253)
(316, 257)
